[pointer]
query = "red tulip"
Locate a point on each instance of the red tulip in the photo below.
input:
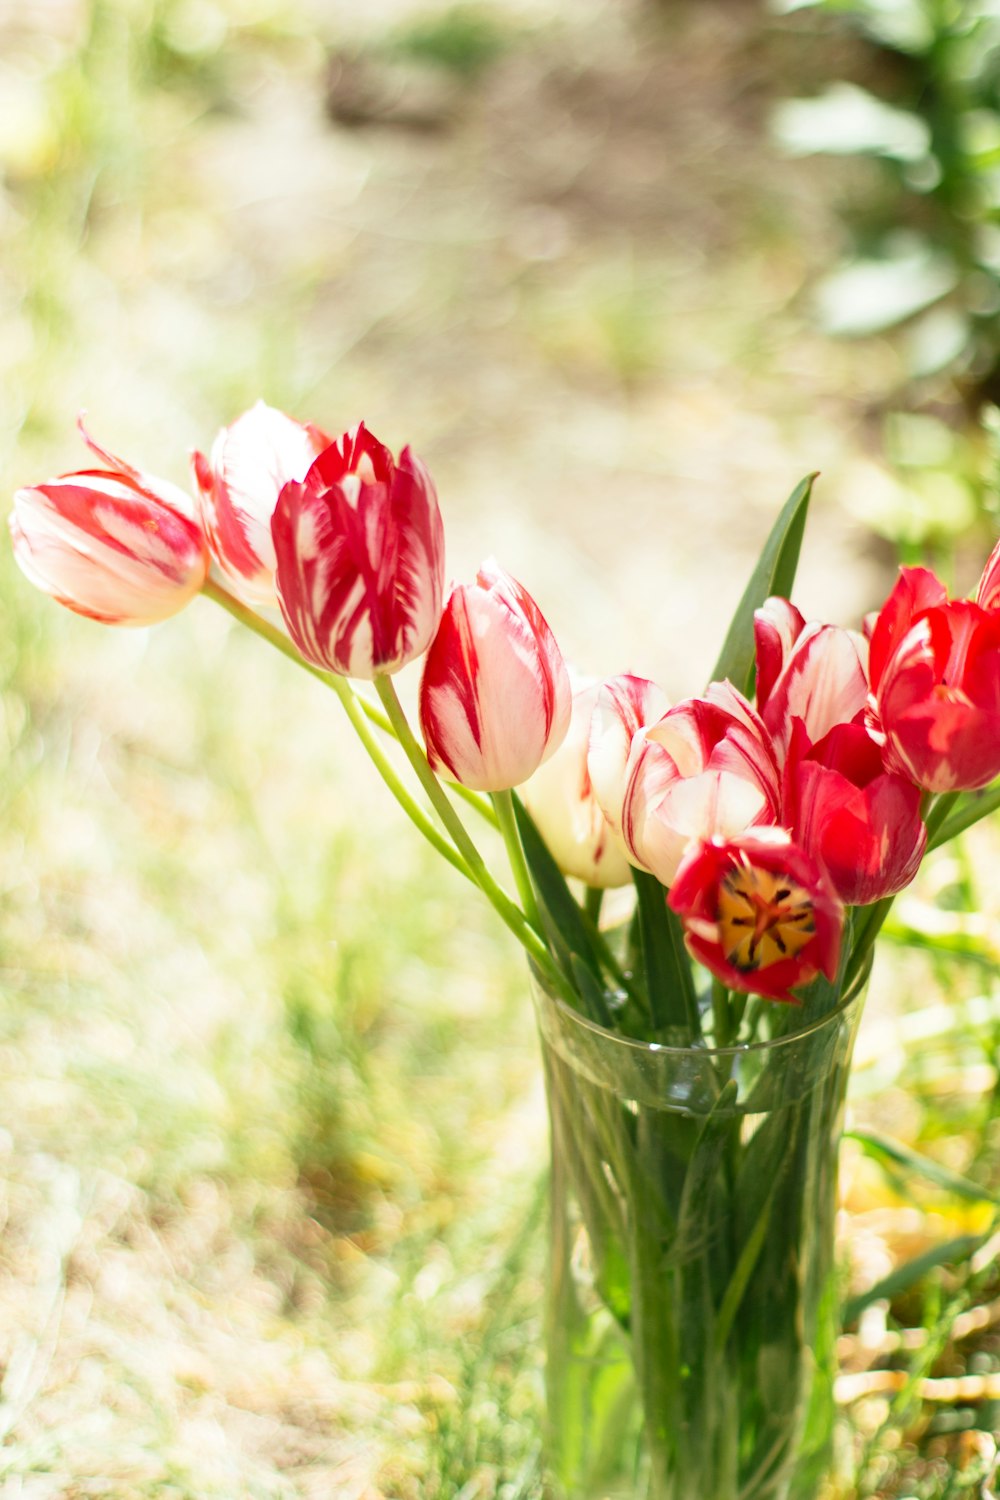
(813, 672)
(625, 705)
(935, 701)
(359, 549)
(238, 487)
(706, 769)
(858, 819)
(560, 798)
(988, 592)
(113, 544)
(495, 696)
(759, 913)
(916, 591)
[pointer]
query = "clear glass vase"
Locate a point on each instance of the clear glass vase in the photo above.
(693, 1298)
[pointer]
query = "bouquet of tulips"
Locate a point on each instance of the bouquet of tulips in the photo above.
(696, 1047)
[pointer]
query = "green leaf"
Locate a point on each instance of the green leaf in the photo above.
(712, 1142)
(748, 1258)
(951, 1252)
(562, 918)
(971, 807)
(591, 992)
(670, 989)
(885, 1148)
(849, 121)
(774, 574)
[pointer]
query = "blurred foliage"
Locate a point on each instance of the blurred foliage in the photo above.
(926, 253)
(924, 228)
(466, 39)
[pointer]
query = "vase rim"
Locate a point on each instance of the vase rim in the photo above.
(745, 1049)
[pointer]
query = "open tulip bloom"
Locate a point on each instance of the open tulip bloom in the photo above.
(818, 759)
(764, 826)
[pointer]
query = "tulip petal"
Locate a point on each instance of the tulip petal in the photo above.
(824, 683)
(624, 706)
(104, 544)
(988, 592)
(360, 558)
(766, 881)
(495, 699)
(699, 771)
(238, 488)
(916, 591)
(777, 625)
(938, 703)
(560, 798)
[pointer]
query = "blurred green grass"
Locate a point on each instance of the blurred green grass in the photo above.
(272, 1132)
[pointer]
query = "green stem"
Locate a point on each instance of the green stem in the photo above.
(355, 712)
(503, 806)
(475, 800)
(607, 955)
(592, 902)
(869, 926)
(720, 1013)
(508, 912)
(936, 813)
(371, 711)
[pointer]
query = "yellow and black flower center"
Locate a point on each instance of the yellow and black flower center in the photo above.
(763, 918)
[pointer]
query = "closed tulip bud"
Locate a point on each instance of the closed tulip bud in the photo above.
(495, 696)
(112, 544)
(359, 549)
(759, 913)
(560, 799)
(238, 487)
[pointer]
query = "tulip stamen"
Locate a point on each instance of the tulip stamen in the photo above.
(761, 918)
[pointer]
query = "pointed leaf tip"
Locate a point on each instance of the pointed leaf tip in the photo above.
(774, 574)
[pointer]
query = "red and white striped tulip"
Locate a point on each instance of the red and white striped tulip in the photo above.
(113, 544)
(359, 553)
(935, 694)
(706, 769)
(495, 695)
(813, 672)
(859, 820)
(988, 592)
(560, 798)
(238, 486)
(625, 705)
(759, 913)
(916, 591)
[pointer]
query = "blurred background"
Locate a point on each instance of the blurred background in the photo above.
(272, 1162)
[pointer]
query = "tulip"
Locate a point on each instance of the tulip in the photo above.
(113, 544)
(495, 695)
(916, 591)
(359, 550)
(813, 672)
(759, 912)
(859, 820)
(560, 798)
(706, 769)
(238, 487)
(988, 592)
(625, 705)
(935, 705)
